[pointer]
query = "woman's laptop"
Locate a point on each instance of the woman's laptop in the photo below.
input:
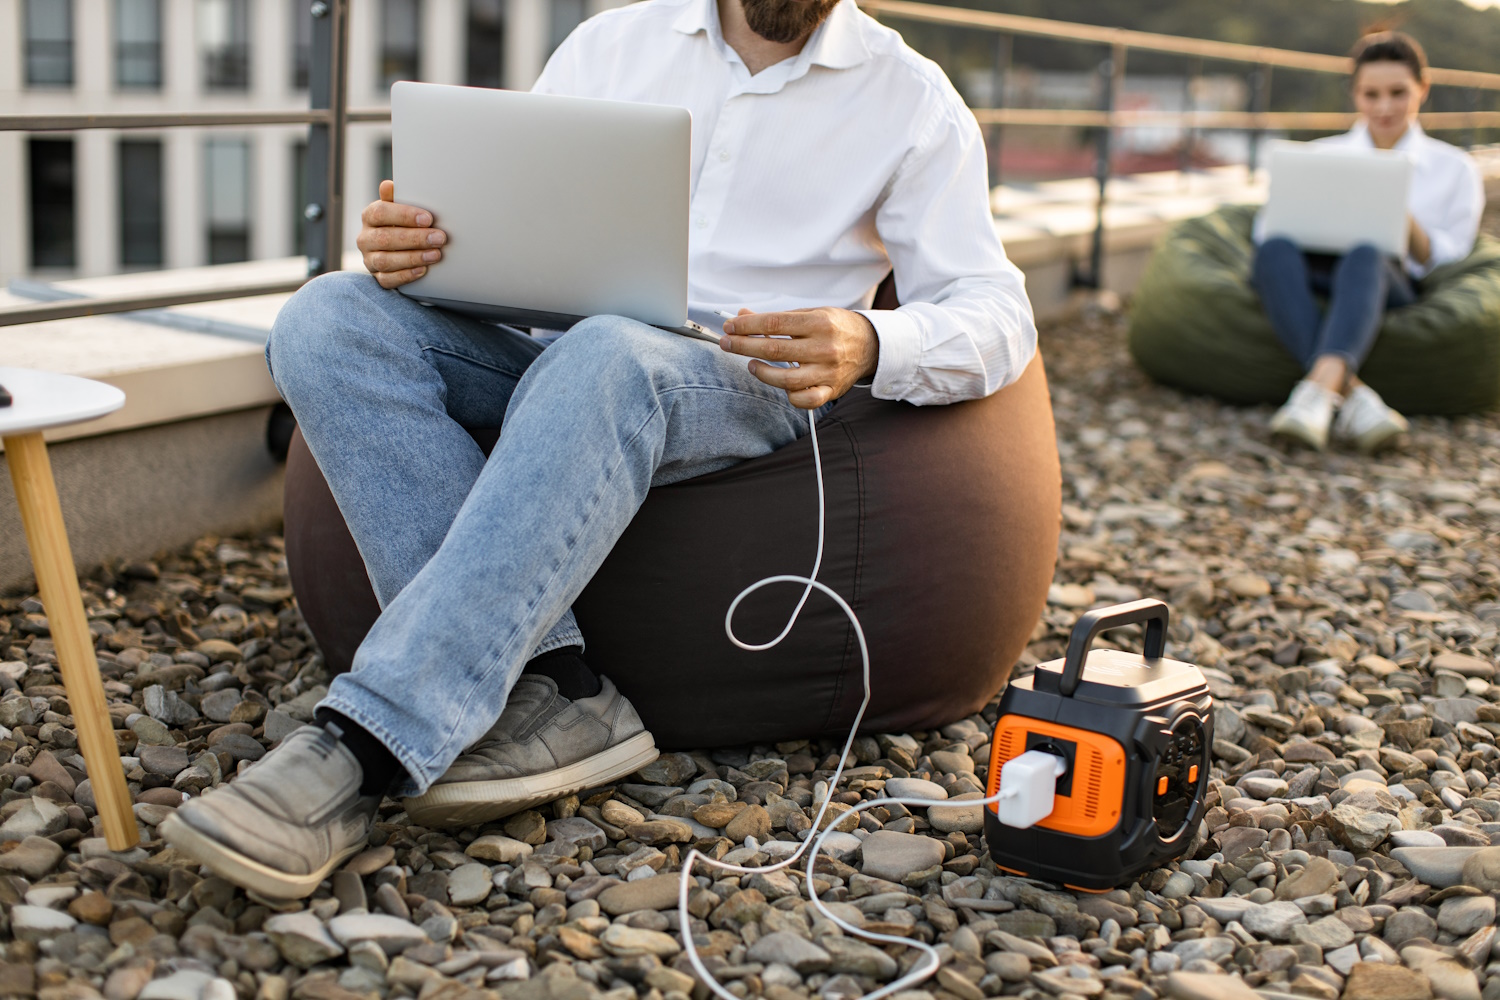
(556, 208)
(1329, 199)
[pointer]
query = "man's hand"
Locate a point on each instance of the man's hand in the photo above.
(396, 240)
(834, 348)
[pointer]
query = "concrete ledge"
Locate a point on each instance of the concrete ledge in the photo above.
(134, 493)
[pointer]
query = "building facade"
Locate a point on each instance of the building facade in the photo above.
(103, 201)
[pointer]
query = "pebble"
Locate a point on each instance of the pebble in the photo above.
(624, 941)
(38, 923)
(1273, 920)
(499, 849)
(184, 984)
(32, 857)
(958, 818)
(657, 892)
(1482, 869)
(893, 856)
(302, 939)
(791, 950)
(393, 934)
(469, 884)
(915, 788)
(1439, 867)
(1464, 915)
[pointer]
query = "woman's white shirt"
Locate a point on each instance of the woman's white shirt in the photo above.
(1446, 196)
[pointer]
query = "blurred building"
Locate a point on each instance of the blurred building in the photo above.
(102, 201)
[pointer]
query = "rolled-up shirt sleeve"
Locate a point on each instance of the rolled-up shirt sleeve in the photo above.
(965, 328)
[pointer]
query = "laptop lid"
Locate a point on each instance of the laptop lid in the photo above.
(1329, 198)
(562, 206)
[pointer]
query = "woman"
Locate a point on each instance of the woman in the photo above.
(1445, 202)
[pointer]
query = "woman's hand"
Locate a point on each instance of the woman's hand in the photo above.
(1417, 243)
(833, 348)
(396, 240)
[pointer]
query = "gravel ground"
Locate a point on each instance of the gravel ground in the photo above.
(1345, 611)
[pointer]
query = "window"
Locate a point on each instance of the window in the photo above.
(49, 43)
(301, 43)
(400, 41)
(53, 241)
(224, 35)
(485, 63)
(138, 43)
(299, 197)
(140, 203)
(566, 15)
(228, 201)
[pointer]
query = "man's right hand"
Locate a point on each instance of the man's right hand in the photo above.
(397, 241)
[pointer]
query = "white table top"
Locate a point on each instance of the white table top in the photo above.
(45, 399)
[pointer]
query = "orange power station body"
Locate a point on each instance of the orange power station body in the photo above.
(1134, 732)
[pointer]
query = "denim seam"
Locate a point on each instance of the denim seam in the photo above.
(461, 356)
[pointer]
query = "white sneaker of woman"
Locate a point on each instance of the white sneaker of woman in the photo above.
(1307, 414)
(1366, 422)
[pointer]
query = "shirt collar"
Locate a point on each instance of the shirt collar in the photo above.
(838, 42)
(1409, 142)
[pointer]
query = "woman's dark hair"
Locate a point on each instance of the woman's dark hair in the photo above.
(1391, 46)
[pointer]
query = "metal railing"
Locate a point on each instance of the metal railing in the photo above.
(328, 117)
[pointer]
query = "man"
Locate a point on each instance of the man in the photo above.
(825, 152)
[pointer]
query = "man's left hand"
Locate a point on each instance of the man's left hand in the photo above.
(833, 348)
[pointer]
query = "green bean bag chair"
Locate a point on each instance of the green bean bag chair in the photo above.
(1195, 323)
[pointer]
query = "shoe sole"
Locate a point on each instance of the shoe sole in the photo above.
(464, 803)
(1300, 433)
(247, 873)
(1377, 438)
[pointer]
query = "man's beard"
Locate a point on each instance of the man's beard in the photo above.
(786, 21)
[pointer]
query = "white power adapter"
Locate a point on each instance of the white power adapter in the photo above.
(1028, 788)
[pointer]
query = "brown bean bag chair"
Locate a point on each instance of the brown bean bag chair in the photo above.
(942, 534)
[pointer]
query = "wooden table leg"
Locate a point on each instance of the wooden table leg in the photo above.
(52, 558)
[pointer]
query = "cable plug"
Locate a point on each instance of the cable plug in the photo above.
(1028, 788)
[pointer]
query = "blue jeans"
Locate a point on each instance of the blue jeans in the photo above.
(477, 562)
(1359, 286)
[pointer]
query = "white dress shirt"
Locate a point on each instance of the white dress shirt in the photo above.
(816, 176)
(1446, 196)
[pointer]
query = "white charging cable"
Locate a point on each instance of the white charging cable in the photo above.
(920, 971)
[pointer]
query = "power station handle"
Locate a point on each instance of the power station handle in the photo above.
(1149, 612)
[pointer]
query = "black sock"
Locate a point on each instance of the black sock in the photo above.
(379, 765)
(566, 667)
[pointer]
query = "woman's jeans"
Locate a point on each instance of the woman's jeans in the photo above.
(477, 562)
(1359, 286)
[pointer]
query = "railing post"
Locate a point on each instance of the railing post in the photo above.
(1470, 135)
(1260, 99)
(1189, 106)
(328, 89)
(999, 98)
(1112, 79)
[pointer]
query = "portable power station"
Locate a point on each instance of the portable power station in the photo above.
(1101, 760)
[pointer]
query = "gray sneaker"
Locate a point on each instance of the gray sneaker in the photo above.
(543, 746)
(286, 823)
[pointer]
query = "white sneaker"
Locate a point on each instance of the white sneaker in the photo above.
(1366, 422)
(1307, 414)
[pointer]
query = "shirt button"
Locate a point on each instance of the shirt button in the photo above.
(724, 156)
(702, 222)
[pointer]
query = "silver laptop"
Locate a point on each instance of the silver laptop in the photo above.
(1329, 199)
(556, 208)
